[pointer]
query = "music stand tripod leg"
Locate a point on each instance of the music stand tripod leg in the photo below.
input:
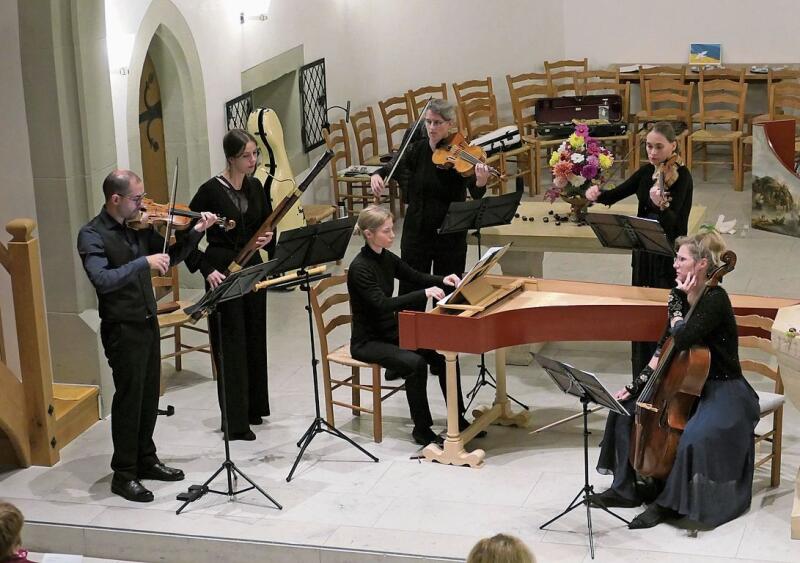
(319, 424)
(195, 492)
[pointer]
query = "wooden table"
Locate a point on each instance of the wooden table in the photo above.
(531, 239)
(750, 77)
(788, 351)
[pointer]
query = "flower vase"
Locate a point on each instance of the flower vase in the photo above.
(577, 209)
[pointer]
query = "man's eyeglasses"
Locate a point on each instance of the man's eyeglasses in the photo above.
(136, 199)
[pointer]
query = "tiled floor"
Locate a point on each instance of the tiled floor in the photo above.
(343, 507)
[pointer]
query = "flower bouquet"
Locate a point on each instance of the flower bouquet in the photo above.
(577, 163)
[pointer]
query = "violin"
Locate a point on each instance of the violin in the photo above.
(456, 153)
(665, 175)
(158, 214)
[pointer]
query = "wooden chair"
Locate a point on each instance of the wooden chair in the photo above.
(397, 117)
(570, 65)
(524, 90)
(791, 75)
(659, 71)
(356, 188)
(770, 429)
(667, 100)
(172, 320)
(562, 83)
(419, 97)
(721, 102)
(324, 296)
(365, 133)
(596, 82)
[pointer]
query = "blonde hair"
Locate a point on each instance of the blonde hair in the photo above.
(501, 548)
(371, 218)
(705, 244)
(11, 521)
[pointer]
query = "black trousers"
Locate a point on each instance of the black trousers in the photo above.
(413, 365)
(133, 350)
(441, 255)
(244, 349)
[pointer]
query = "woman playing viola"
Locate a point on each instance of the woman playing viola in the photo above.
(669, 205)
(428, 190)
(711, 478)
(374, 338)
(236, 194)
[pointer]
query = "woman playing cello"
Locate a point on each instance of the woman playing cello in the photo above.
(711, 478)
(663, 187)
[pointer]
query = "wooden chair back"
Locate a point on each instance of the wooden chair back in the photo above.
(757, 357)
(785, 75)
(606, 85)
(365, 133)
(785, 100)
(736, 75)
(562, 83)
(669, 99)
(477, 106)
(584, 78)
(524, 90)
(419, 97)
(397, 117)
(722, 101)
(570, 65)
(659, 71)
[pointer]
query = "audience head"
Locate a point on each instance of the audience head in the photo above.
(501, 548)
(10, 530)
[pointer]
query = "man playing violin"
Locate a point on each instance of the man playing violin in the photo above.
(118, 261)
(428, 190)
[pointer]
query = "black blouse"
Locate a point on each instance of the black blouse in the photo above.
(675, 218)
(249, 208)
(370, 282)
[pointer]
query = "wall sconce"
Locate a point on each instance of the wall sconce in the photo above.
(256, 10)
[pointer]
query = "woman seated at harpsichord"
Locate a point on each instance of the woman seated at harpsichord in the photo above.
(374, 338)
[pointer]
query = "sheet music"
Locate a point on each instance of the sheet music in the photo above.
(475, 270)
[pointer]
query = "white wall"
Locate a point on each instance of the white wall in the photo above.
(619, 31)
(16, 178)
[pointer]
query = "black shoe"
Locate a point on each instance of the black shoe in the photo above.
(392, 375)
(463, 424)
(653, 516)
(131, 490)
(248, 436)
(612, 499)
(426, 436)
(255, 420)
(160, 472)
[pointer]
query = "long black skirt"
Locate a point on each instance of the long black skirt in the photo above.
(711, 480)
(648, 270)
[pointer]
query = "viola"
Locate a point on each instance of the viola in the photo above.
(665, 175)
(158, 215)
(456, 153)
(666, 402)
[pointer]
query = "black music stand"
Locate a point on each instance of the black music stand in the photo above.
(477, 214)
(299, 249)
(623, 231)
(234, 286)
(588, 389)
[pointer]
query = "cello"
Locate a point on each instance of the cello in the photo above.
(666, 402)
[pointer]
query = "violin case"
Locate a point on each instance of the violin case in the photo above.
(556, 117)
(500, 140)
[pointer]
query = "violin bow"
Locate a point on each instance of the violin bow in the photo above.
(406, 142)
(171, 208)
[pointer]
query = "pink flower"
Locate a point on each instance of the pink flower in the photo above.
(582, 130)
(589, 171)
(552, 194)
(560, 182)
(562, 169)
(593, 148)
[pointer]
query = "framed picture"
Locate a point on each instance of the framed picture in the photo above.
(705, 54)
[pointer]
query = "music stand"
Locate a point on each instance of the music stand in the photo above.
(477, 214)
(234, 286)
(588, 389)
(623, 231)
(300, 249)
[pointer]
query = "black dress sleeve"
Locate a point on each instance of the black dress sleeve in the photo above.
(625, 189)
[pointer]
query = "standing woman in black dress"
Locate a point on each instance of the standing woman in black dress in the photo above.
(237, 195)
(711, 479)
(670, 208)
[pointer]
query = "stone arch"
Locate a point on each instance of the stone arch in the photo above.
(166, 35)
